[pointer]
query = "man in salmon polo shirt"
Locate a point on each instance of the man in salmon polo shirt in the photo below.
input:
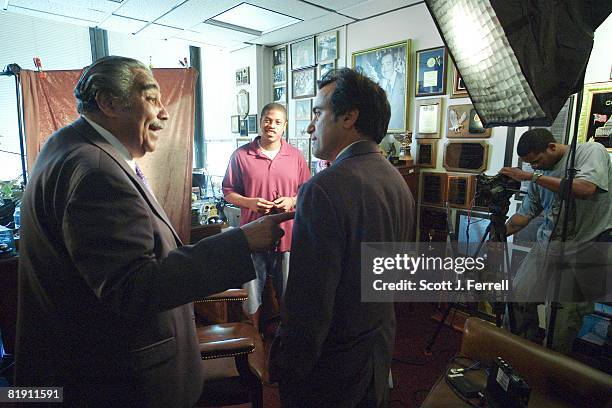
(264, 177)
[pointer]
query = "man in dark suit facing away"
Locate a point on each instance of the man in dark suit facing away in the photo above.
(336, 350)
(105, 284)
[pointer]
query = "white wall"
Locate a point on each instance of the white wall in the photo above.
(600, 63)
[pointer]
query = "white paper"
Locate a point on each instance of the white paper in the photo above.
(430, 79)
(428, 119)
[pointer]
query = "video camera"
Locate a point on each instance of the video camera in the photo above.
(495, 191)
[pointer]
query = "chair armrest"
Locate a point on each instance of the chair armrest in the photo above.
(226, 348)
(230, 295)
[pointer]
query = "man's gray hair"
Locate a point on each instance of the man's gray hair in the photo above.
(111, 75)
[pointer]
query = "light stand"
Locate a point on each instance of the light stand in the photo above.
(566, 194)
(14, 70)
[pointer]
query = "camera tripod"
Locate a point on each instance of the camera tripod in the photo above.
(497, 232)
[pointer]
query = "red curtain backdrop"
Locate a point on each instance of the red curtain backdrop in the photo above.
(48, 105)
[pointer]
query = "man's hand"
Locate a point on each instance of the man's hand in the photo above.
(265, 232)
(516, 173)
(284, 204)
(259, 205)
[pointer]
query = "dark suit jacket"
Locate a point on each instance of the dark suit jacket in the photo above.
(333, 345)
(104, 291)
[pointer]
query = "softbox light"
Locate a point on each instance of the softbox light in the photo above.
(519, 59)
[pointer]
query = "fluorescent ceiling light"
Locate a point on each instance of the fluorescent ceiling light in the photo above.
(252, 19)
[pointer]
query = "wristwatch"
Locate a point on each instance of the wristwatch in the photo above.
(535, 176)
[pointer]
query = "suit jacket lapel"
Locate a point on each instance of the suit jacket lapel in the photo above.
(85, 129)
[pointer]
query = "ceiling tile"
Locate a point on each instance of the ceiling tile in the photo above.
(203, 39)
(159, 31)
(122, 24)
(373, 7)
(52, 8)
(105, 6)
(338, 4)
(256, 18)
(218, 33)
(194, 12)
(146, 9)
(293, 8)
(303, 29)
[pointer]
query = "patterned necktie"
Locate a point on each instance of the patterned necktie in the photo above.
(142, 178)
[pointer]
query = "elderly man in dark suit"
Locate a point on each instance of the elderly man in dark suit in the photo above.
(104, 283)
(336, 350)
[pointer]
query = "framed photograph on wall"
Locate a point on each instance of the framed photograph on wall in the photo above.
(459, 89)
(235, 124)
(303, 83)
(596, 109)
(279, 56)
(242, 76)
(431, 72)
(244, 127)
(428, 115)
(279, 75)
(326, 67)
(426, 153)
(302, 144)
(300, 128)
(303, 54)
(388, 66)
(327, 46)
(303, 109)
(280, 94)
(252, 124)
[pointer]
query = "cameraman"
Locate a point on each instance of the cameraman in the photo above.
(590, 220)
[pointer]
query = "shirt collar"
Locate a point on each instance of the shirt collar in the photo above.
(346, 148)
(254, 148)
(110, 138)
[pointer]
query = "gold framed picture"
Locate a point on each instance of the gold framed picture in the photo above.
(388, 66)
(596, 110)
(431, 72)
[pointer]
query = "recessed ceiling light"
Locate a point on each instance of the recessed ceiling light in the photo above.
(252, 19)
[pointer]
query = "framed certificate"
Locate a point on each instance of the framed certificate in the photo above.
(429, 112)
(431, 71)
